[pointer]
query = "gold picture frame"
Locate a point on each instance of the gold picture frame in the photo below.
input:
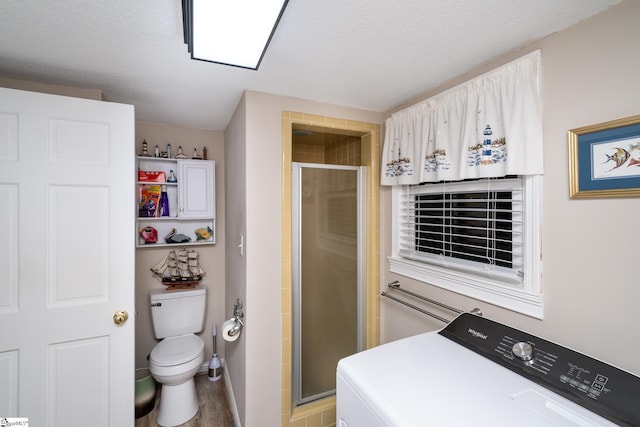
(604, 159)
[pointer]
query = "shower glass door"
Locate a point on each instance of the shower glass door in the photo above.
(328, 248)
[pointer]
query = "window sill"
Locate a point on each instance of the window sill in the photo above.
(509, 297)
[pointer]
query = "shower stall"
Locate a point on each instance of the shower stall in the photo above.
(328, 249)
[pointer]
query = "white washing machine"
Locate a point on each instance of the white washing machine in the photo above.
(476, 372)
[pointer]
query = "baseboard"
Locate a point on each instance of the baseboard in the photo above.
(231, 397)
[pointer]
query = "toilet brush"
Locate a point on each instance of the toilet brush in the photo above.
(215, 365)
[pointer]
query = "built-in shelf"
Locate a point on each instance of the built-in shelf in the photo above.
(192, 203)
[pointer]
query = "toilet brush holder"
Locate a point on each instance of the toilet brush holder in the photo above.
(215, 368)
(215, 365)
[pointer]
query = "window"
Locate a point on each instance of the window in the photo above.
(480, 238)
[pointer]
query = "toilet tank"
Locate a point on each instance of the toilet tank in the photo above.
(178, 312)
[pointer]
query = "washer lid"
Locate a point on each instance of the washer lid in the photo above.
(176, 350)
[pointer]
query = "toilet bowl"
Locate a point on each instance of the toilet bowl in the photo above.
(174, 361)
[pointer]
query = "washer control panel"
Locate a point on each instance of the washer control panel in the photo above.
(595, 385)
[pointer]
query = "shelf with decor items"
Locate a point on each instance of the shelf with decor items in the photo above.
(175, 194)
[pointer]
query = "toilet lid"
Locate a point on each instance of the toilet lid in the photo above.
(177, 350)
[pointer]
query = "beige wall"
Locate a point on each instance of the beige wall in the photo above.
(211, 256)
(235, 261)
(258, 391)
(589, 247)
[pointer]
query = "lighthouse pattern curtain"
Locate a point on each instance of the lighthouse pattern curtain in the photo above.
(488, 127)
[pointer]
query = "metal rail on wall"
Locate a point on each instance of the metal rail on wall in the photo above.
(396, 287)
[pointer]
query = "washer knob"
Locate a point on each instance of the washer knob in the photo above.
(523, 351)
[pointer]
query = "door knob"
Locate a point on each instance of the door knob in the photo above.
(120, 317)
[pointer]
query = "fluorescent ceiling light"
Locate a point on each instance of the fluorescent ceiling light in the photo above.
(230, 32)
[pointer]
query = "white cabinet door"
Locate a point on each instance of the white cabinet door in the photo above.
(196, 192)
(66, 260)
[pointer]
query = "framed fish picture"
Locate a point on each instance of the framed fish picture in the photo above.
(604, 159)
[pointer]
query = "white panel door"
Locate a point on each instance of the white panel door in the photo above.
(66, 260)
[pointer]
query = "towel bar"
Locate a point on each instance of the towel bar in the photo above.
(395, 285)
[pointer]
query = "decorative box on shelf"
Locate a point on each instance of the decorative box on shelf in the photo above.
(151, 176)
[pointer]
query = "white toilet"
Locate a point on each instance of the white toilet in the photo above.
(177, 316)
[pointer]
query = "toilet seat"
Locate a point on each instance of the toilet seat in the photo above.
(177, 350)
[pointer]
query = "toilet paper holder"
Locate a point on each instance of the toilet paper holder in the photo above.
(238, 315)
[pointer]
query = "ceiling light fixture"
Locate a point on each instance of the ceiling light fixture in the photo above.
(230, 32)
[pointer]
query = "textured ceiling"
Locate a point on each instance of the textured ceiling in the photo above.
(368, 54)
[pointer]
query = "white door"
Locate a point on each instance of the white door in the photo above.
(66, 260)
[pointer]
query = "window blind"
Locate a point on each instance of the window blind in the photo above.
(470, 225)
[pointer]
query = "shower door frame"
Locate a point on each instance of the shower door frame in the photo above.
(296, 270)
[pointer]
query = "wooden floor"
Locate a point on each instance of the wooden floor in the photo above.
(214, 407)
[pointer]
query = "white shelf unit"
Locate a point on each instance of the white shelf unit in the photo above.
(192, 201)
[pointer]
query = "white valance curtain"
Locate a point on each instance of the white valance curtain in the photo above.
(490, 126)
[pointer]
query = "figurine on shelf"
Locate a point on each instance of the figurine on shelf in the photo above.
(172, 177)
(196, 156)
(180, 154)
(149, 235)
(203, 233)
(145, 153)
(174, 237)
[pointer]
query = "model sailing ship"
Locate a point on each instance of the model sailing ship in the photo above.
(180, 269)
